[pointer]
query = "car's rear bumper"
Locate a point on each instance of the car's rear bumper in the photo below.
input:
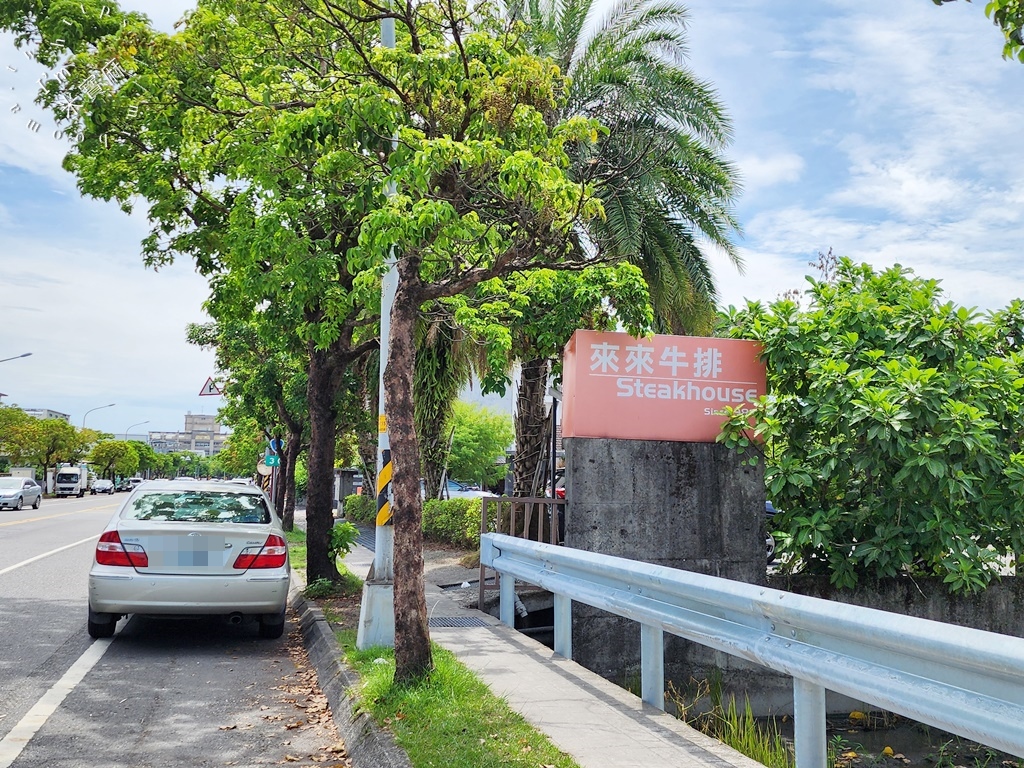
(113, 590)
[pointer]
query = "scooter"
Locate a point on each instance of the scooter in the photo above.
(769, 540)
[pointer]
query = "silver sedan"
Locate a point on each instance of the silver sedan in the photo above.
(189, 549)
(16, 492)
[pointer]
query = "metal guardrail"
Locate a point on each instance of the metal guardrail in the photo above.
(965, 681)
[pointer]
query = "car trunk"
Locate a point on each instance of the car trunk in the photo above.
(192, 548)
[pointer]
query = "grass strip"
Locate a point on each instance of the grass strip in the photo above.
(450, 719)
(296, 539)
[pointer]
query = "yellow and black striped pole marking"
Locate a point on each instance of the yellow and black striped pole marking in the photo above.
(384, 490)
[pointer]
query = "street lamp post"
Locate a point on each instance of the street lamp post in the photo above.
(377, 610)
(139, 424)
(16, 357)
(109, 405)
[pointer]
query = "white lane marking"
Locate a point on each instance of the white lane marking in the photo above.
(10, 568)
(14, 742)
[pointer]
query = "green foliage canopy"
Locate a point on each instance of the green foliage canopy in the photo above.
(1008, 15)
(891, 430)
(479, 440)
(115, 458)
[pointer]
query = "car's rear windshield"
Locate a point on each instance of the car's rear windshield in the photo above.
(198, 506)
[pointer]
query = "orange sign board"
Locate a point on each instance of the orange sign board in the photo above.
(658, 388)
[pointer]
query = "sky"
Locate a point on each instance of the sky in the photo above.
(887, 130)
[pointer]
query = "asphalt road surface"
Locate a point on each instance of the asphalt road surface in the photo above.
(161, 693)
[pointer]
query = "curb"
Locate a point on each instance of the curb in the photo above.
(368, 745)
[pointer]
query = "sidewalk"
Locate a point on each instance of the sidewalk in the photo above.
(599, 724)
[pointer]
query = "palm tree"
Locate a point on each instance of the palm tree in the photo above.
(443, 368)
(667, 190)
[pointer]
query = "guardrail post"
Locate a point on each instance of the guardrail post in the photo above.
(652, 666)
(563, 626)
(809, 724)
(507, 599)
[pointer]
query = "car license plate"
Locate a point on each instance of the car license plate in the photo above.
(189, 551)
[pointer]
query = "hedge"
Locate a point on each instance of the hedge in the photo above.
(448, 521)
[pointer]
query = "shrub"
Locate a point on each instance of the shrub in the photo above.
(343, 538)
(319, 589)
(361, 508)
(452, 521)
(891, 436)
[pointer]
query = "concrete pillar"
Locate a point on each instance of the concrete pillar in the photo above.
(693, 506)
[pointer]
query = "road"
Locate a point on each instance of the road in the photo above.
(160, 693)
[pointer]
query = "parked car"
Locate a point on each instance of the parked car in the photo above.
(122, 485)
(453, 490)
(456, 490)
(134, 482)
(102, 486)
(194, 548)
(16, 492)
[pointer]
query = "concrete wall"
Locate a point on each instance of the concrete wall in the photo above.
(999, 608)
(693, 506)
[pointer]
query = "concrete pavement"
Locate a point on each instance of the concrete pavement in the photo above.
(596, 722)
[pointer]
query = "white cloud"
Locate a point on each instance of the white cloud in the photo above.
(761, 171)
(907, 122)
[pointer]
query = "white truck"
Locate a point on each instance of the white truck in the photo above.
(71, 481)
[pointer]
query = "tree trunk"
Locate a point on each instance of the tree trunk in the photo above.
(279, 483)
(530, 422)
(413, 657)
(292, 448)
(321, 393)
(290, 457)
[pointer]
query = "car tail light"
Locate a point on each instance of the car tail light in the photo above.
(272, 554)
(110, 551)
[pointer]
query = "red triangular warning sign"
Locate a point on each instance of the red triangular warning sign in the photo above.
(209, 388)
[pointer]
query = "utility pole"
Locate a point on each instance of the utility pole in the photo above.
(377, 611)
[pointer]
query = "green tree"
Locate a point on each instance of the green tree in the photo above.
(148, 458)
(242, 450)
(45, 443)
(480, 438)
(12, 419)
(237, 136)
(1008, 15)
(480, 193)
(265, 383)
(115, 458)
(542, 309)
(892, 429)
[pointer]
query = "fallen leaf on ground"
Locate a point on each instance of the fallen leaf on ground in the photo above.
(228, 727)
